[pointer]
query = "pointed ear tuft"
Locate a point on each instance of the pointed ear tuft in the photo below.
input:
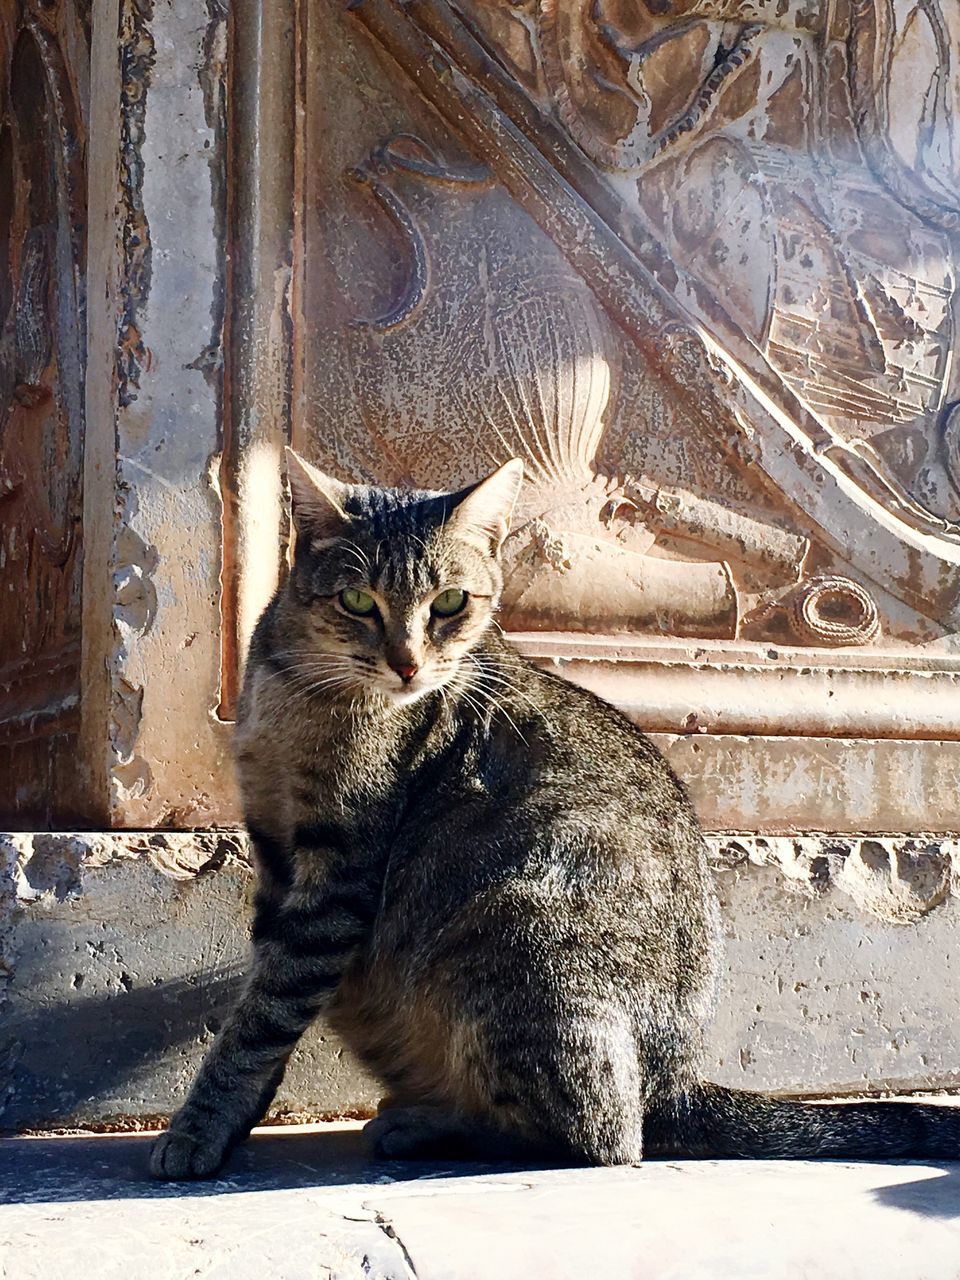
(317, 499)
(483, 511)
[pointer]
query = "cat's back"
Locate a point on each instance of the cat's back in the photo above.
(558, 797)
(588, 753)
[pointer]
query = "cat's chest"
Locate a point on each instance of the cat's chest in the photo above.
(315, 770)
(337, 774)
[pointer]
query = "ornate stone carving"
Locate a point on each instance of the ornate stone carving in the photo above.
(597, 74)
(408, 154)
(798, 161)
(687, 292)
(823, 610)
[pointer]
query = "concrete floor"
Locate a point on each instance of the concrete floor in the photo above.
(305, 1203)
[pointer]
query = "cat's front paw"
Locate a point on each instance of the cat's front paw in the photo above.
(177, 1154)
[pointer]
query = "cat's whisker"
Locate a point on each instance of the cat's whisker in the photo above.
(498, 704)
(294, 675)
(305, 684)
(507, 686)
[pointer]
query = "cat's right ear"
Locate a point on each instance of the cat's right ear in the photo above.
(482, 512)
(317, 500)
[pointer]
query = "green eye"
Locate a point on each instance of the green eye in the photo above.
(360, 603)
(449, 602)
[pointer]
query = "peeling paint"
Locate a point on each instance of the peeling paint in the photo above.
(50, 865)
(137, 57)
(895, 878)
(212, 75)
(135, 596)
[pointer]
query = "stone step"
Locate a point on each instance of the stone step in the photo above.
(299, 1203)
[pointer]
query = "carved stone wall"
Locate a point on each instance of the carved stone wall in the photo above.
(44, 66)
(711, 307)
(695, 262)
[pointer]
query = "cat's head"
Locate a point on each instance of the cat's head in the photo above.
(391, 589)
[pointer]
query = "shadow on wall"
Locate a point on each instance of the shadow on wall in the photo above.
(60, 1054)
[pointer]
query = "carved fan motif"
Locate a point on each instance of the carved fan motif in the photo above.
(532, 368)
(541, 376)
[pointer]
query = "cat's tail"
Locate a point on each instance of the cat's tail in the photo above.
(712, 1120)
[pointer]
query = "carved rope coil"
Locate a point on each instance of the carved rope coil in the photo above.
(811, 623)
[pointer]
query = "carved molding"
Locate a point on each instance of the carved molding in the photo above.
(577, 44)
(880, 34)
(715, 686)
(705, 504)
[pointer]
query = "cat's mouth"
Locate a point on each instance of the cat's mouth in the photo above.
(397, 693)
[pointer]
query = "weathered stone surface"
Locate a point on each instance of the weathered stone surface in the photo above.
(842, 976)
(44, 123)
(822, 996)
(152, 747)
(121, 955)
(302, 1205)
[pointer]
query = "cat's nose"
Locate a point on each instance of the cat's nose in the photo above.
(405, 670)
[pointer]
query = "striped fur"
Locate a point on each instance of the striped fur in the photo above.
(487, 880)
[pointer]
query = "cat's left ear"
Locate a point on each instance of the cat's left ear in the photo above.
(483, 511)
(317, 500)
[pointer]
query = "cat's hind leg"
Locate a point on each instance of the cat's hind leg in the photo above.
(576, 1080)
(429, 1132)
(562, 1087)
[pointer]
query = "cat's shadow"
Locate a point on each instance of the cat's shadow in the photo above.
(937, 1197)
(114, 1168)
(57, 1170)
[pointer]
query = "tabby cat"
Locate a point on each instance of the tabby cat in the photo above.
(487, 880)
